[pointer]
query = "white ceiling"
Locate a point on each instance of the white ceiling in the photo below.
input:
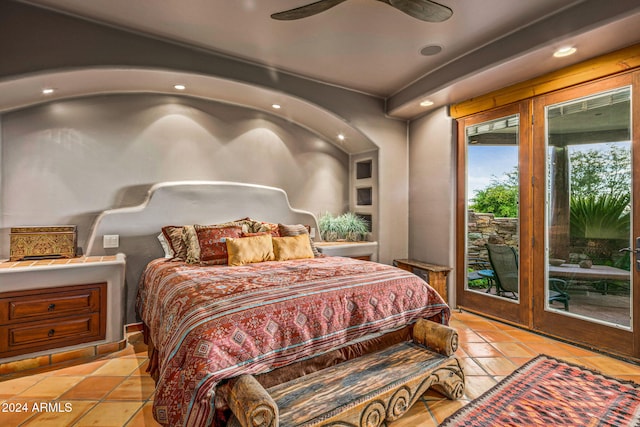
(361, 44)
(368, 46)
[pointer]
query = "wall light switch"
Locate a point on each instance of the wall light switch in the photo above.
(312, 233)
(110, 241)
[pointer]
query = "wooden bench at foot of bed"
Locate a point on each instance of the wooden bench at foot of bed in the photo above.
(362, 392)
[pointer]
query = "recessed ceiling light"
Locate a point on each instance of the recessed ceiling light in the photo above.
(341, 137)
(564, 51)
(426, 103)
(276, 106)
(179, 87)
(47, 91)
(431, 50)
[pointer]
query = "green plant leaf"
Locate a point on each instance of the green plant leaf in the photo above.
(600, 216)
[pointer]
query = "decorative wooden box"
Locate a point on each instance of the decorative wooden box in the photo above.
(42, 242)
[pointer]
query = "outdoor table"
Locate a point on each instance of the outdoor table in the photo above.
(597, 273)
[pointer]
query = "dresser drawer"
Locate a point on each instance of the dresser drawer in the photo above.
(41, 319)
(34, 336)
(50, 303)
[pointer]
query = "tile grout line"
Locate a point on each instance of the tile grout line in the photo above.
(102, 400)
(31, 418)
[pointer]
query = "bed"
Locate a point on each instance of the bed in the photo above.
(208, 323)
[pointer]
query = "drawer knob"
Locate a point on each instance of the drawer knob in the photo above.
(51, 332)
(51, 307)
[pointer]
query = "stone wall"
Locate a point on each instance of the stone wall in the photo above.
(485, 228)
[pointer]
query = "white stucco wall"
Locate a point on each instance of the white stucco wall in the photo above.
(432, 179)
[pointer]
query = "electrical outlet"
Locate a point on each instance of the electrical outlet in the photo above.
(312, 233)
(110, 241)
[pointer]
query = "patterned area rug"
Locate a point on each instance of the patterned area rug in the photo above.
(550, 392)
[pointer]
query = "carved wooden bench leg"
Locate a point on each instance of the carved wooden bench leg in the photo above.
(450, 381)
(447, 379)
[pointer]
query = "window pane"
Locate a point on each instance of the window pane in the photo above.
(589, 207)
(492, 200)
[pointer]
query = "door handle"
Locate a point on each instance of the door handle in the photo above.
(635, 252)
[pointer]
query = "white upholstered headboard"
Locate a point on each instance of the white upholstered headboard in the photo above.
(180, 203)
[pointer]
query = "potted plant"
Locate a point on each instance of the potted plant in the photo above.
(347, 226)
(328, 227)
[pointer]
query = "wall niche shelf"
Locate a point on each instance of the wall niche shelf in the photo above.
(364, 196)
(364, 169)
(363, 182)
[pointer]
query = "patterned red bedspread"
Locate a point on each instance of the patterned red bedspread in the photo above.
(210, 323)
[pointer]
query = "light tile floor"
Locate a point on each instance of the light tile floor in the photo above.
(115, 390)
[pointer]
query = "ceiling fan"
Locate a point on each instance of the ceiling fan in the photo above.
(425, 10)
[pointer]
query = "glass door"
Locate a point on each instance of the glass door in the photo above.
(584, 284)
(493, 158)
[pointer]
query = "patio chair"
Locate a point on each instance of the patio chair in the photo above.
(481, 270)
(504, 261)
(558, 292)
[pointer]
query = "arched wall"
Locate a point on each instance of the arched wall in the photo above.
(41, 43)
(65, 162)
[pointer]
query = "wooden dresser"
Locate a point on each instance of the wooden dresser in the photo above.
(41, 319)
(65, 305)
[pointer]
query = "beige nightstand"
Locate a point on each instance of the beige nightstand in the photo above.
(367, 251)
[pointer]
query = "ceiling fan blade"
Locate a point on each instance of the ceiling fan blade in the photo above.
(305, 11)
(425, 10)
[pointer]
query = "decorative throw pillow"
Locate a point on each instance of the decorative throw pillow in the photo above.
(296, 230)
(190, 240)
(292, 247)
(268, 227)
(168, 253)
(173, 236)
(260, 233)
(212, 241)
(251, 249)
(247, 224)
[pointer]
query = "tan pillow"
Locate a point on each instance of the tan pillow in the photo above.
(246, 250)
(295, 230)
(293, 247)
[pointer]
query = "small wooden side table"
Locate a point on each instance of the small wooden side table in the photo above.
(436, 274)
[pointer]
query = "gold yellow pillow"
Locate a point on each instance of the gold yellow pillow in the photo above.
(246, 250)
(293, 247)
